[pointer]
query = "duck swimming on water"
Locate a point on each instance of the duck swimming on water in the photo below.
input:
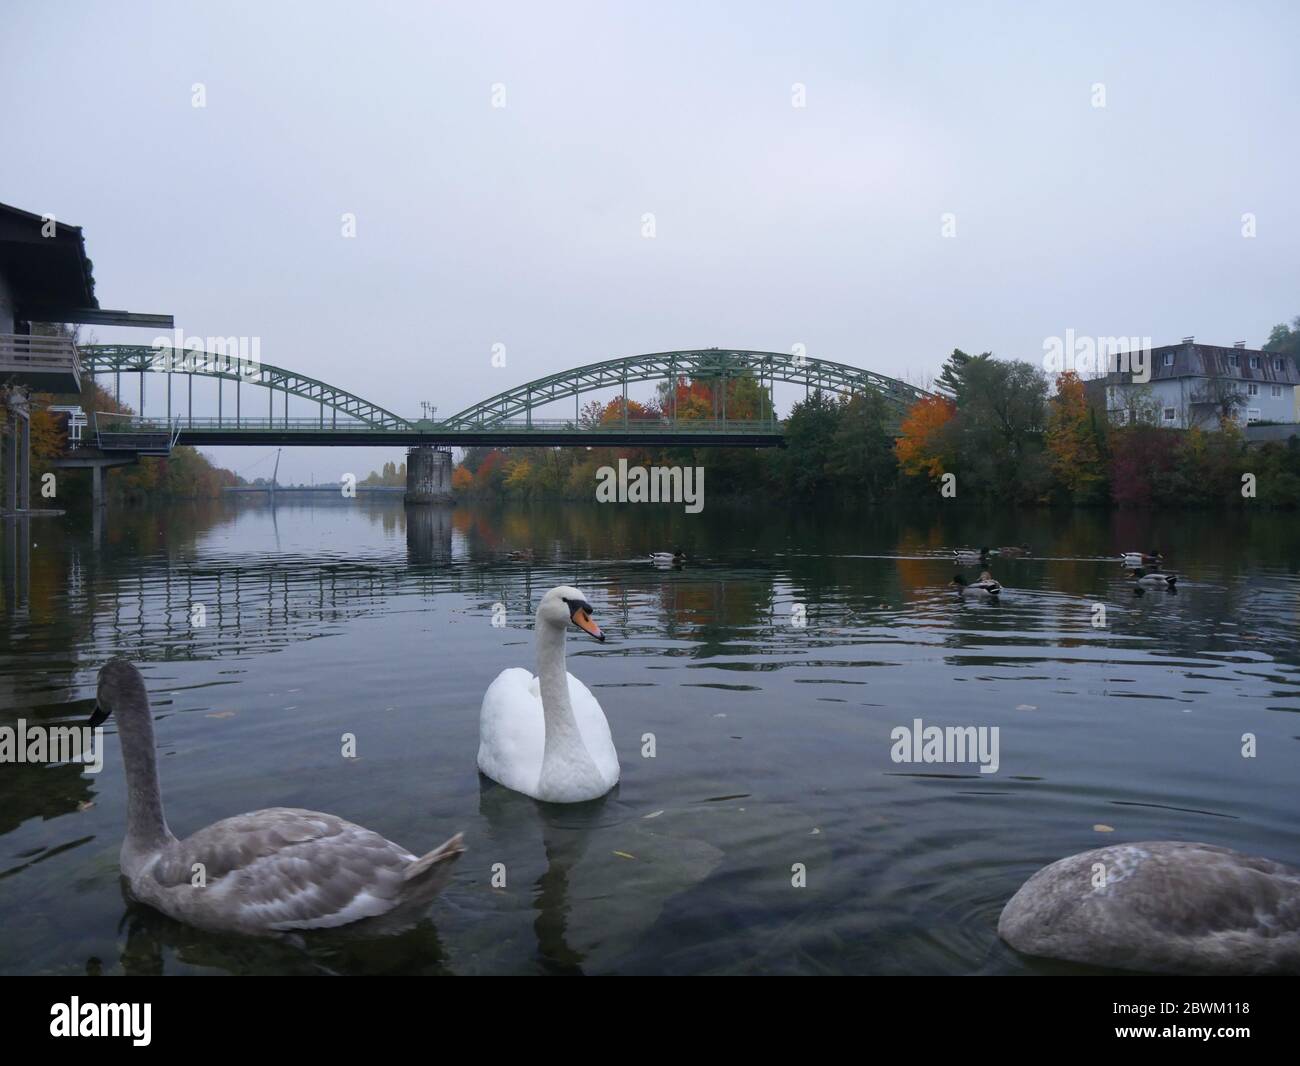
(1158, 580)
(985, 588)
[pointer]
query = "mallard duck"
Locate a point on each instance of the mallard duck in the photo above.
(1153, 580)
(985, 587)
(1024, 549)
(1136, 559)
(971, 556)
(674, 558)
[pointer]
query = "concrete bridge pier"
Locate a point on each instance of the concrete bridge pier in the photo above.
(428, 475)
(16, 452)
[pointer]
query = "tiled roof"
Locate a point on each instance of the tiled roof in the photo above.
(1213, 361)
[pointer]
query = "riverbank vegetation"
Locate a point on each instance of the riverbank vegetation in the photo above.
(184, 474)
(1007, 432)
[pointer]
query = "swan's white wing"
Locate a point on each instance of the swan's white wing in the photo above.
(278, 869)
(594, 728)
(512, 731)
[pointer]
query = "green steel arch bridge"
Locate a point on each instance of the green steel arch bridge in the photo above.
(509, 418)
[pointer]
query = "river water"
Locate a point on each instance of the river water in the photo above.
(770, 831)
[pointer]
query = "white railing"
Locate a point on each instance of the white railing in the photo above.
(20, 352)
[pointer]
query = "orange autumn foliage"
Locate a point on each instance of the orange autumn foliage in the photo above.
(921, 446)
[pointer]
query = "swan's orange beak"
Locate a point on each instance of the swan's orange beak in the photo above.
(581, 617)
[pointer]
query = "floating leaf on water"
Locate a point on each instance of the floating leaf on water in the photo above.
(85, 805)
(814, 832)
(220, 714)
(624, 855)
(1100, 828)
(1026, 707)
(653, 814)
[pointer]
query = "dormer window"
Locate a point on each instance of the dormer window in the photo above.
(1277, 364)
(1254, 362)
(1234, 360)
(1169, 359)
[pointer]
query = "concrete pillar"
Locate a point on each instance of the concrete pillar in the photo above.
(97, 486)
(11, 463)
(428, 475)
(25, 465)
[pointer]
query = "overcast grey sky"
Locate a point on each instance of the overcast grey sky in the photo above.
(774, 224)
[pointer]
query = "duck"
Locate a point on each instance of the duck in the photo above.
(673, 558)
(1156, 580)
(1013, 551)
(971, 556)
(985, 588)
(1136, 559)
(525, 554)
(271, 872)
(546, 735)
(1161, 906)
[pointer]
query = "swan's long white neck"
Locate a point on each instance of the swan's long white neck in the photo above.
(564, 746)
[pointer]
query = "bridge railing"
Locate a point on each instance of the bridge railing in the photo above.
(132, 433)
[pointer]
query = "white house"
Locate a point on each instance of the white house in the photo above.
(1194, 384)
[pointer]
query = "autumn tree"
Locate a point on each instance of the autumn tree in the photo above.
(923, 445)
(1073, 440)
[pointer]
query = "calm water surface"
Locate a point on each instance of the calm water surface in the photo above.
(772, 742)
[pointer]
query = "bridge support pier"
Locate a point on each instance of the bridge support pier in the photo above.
(428, 475)
(97, 463)
(16, 452)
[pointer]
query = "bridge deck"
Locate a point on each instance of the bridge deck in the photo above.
(314, 432)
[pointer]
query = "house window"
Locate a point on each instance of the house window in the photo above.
(1277, 364)
(1121, 417)
(1169, 414)
(1169, 359)
(1277, 392)
(1234, 360)
(1252, 390)
(1254, 362)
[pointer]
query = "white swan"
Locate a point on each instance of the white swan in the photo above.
(546, 736)
(1163, 906)
(264, 873)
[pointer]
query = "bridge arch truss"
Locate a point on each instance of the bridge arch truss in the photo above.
(116, 359)
(708, 363)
